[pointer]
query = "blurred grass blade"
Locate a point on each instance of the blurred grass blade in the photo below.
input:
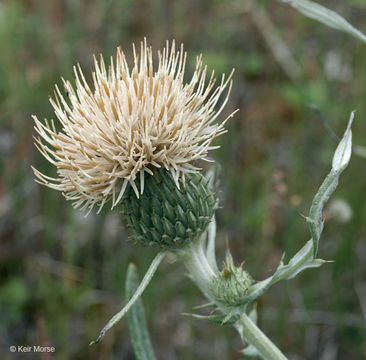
(275, 42)
(327, 17)
(136, 319)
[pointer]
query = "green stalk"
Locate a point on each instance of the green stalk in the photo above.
(202, 273)
(254, 336)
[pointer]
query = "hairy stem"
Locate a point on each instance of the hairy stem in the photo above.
(201, 271)
(254, 336)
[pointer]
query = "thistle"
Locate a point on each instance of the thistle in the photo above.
(134, 139)
(131, 122)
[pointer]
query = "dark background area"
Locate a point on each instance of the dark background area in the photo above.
(62, 274)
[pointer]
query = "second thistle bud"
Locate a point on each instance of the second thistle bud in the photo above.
(231, 285)
(166, 216)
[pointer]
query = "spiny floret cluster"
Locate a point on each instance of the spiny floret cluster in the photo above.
(128, 123)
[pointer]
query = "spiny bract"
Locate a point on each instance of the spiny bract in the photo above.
(167, 217)
(232, 284)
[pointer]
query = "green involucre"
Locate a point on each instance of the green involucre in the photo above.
(165, 216)
(232, 284)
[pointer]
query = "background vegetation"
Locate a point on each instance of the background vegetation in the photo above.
(62, 274)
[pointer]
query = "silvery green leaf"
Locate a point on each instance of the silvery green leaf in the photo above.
(315, 219)
(328, 17)
(340, 161)
(251, 351)
(301, 261)
(305, 258)
(139, 290)
(343, 153)
(136, 320)
(217, 318)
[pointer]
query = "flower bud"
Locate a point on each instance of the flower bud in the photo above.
(231, 285)
(166, 216)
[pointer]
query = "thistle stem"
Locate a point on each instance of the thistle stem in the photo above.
(195, 260)
(254, 336)
(202, 273)
(211, 239)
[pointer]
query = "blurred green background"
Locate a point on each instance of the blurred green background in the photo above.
(62, 274)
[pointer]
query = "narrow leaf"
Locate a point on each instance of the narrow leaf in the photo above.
(216, 318)
(340, 161)
(305, 258)
(343, 153)
(136, 319)
(328, 17)
(140, 289)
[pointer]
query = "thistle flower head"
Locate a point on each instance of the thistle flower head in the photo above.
(232, 284)
(131, 121)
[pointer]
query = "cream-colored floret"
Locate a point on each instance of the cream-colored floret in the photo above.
(130, 122)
